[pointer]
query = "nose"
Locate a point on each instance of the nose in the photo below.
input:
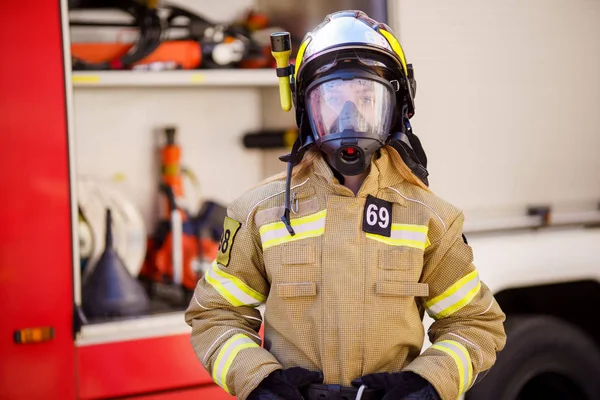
(348, 116)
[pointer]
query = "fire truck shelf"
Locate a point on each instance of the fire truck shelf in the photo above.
(130, 329)
(137, 328)
(590, 217)
(204, 78)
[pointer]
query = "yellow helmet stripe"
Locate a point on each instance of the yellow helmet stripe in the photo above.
(396, 47)
(300, 55)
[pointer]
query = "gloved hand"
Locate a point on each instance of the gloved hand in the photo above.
(285, 384)
(399, 386)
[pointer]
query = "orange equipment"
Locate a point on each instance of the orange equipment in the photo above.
(184, 53)
(173, 249)
(170, 156)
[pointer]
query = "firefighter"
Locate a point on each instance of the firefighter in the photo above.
(348, 252)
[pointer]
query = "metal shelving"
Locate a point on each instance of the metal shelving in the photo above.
(193, 78)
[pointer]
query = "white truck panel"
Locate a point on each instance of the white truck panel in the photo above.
(523, 259)
(507, 99)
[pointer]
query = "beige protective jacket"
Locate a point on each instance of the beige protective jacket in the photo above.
(341, 300)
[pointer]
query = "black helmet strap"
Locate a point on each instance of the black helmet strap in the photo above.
(288, 182)
(293, 158)
(409, 147)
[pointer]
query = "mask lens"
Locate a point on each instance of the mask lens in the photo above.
(360, 105)
(349, 119)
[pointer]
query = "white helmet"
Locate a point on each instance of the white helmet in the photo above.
(353, 88)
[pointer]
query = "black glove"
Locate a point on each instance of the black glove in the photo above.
(399, 386)
(285, 384)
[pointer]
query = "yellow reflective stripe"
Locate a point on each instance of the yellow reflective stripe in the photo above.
(461, 372)
(461, 358)
(410, 228)
(309, 226)
(226, 355)
(271, 227)
(230, 360)
(294, 222)
(452, 289)
(467, 357)
(460, 304)
(397, 242)
(219, 288)
(290, 238)
(309, 218)
(239, 284)
(300, 56)
(232, 288)
(405, 235)
(216, 375)
(396, 47)
(455, 297)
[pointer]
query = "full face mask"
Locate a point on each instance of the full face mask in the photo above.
(350, 112)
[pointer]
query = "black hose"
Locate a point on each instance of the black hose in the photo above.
(146, 19)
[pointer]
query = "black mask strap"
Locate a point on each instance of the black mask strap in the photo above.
(416, 145)
(412, 152)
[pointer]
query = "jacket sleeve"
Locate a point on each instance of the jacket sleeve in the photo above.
(469, 325)
(223, 314)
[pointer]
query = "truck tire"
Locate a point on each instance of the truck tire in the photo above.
(544, 358)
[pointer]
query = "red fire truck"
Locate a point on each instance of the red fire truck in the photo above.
(543, 267)
(40, 356)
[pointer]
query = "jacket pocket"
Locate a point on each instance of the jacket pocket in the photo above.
(300, 289)
(400, 265)
(298, 254)
(402, 289)
(402, 258)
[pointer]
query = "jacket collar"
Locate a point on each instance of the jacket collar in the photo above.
(383, 175)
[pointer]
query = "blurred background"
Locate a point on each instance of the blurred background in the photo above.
(130, 125)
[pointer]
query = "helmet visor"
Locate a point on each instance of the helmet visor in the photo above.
(360, 105)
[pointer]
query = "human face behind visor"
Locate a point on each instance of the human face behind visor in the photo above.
(350, 115)
(357, 105)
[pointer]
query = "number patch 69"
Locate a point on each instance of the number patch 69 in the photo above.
(378, 216)
(374, 218)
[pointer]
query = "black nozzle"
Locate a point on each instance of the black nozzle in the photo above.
(170, 132)
(108, 238)
(281, 41)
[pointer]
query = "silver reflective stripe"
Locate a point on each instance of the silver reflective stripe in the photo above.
(274, 234)
(461, 357)
(301, 228)
(308, 226)
(408, 235)
(233, 289)
(226, 356)
(455, 297)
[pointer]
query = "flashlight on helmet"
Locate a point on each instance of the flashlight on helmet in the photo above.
(281, 49)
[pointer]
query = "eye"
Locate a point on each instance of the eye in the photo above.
(367, 99)
(334, 100)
